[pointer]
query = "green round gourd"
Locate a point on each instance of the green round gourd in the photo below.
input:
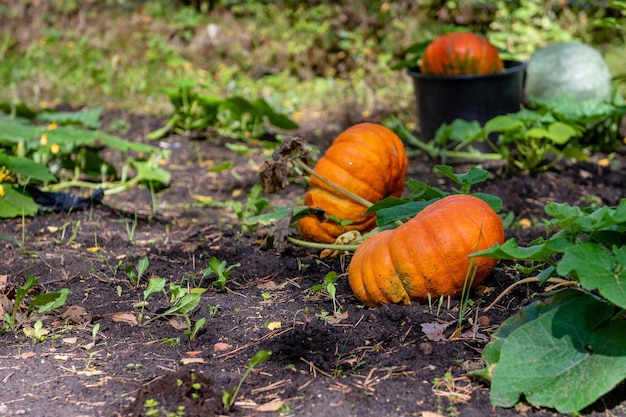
(567, 68)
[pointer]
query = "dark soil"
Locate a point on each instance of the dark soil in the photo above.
(365, 362)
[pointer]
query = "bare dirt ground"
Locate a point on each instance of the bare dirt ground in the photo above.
(366, 362)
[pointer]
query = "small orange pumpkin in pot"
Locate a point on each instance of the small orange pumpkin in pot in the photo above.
(368, 160)
(461, 53)
(429, 254)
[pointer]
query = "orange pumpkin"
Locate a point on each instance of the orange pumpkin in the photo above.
(429, 254)
(366, 159)
(461, 53)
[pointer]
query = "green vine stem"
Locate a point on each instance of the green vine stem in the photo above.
(316, 245)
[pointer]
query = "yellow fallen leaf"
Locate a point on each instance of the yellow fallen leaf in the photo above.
(202, 199)
(94, 249)
(30, 332)
(273, 325)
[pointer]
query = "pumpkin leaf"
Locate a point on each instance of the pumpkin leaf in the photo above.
(502, 124)
(26, 167)
(458, 130)
(89, 118)
(14, 203)
(597, 268)
(545, 358)
(474, 176)
(401, 212)
(511, 251)
(494, 201)
(583, 110)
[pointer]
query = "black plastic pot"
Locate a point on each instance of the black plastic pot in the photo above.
(443, 98)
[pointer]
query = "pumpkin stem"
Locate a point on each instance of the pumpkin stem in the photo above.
(557, 281)
(340, 189)
(316, 245)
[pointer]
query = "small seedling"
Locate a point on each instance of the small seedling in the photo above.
(134, 274)
(94, 334)
(439, 304)
(221, 271)
(213, 310)
(328, 287)
(23, 312)
(192, 333)
(151, 407)
(130, 229)
(171, 341)
(134, 366)
(228, 398)
(154, 285)
(37, 333)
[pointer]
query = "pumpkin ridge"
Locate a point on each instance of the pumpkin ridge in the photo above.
(368, 192)
(437, 243)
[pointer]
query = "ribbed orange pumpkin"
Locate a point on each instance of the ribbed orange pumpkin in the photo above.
(367, 159)
(461, 53)
(428, 254)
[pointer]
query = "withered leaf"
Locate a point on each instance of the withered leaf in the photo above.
(274, 174)
(293, 147)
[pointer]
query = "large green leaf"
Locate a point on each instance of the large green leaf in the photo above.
(276, 119)
(566, 358)
(14, 130)
(26, 167)
(579, 109)
(511, 251)
(89, 118)
(597, 268)
(15, 204)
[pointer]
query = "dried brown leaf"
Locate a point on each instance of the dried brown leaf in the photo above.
(336, 318)
(435, 331)
(270, 407)
(274, 174)
(187, 361)
(77, 315)
(128, 318)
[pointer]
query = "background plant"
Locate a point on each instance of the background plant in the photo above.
(65, 154)
(235, 116)
(530, 139)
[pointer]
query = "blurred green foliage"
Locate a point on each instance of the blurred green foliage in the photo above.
(299, 57)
